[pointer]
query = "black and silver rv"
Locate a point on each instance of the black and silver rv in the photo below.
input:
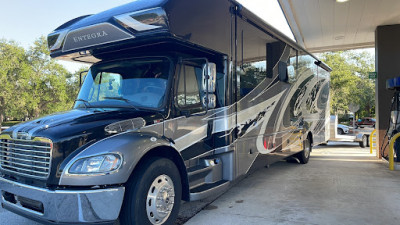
(183, 98)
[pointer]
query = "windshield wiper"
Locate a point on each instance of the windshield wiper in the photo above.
(125, 100)
(85, 102)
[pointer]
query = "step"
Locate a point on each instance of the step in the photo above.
(208, 189)
(209, 170)
(198, 169)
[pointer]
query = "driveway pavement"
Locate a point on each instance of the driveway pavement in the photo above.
(341, 184)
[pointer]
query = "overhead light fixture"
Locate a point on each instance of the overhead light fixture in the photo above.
(341, 1)
(339, 38)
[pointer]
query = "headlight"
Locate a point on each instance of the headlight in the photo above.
(96, 164)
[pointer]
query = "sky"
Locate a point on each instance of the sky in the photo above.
(26, 20)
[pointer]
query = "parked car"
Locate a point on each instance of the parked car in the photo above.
(366, 122)
(342, 129)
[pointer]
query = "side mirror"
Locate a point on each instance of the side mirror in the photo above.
(210, 101)
(82, 76)
(209, 77)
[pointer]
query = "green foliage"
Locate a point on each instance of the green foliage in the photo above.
(33, 84)
(10, 123)
(350, 82)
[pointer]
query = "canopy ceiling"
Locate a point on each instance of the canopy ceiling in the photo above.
(327, 25)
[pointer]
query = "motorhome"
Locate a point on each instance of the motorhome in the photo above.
(183, 98)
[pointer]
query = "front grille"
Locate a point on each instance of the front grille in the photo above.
(25, 157)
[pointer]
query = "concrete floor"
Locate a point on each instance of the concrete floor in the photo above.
(341, 184)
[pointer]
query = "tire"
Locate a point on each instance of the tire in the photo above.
(148, 194)
(340, 131)
(304, 155)
(364, 141)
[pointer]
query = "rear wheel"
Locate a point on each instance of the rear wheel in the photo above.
(153, 195)
(304, 155)
(364, 141)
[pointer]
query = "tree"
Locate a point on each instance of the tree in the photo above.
(33, 84)
(14, 73)
(350, 82)
(47, 89)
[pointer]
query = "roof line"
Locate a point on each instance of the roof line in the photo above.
(286, 7)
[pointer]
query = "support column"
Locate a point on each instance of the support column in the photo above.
(387, 64)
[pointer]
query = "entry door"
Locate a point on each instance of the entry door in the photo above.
(189, 128)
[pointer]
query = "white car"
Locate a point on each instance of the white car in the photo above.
(342, 129)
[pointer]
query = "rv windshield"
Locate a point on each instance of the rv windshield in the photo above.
(128, 83)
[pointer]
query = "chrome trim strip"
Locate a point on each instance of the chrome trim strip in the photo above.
(60, 39)
(27, 150)
(18, 168)
(34, 146)
(15, 132)
(24, 155)
(26, 160)
(22, 164)
(26, 175)
(134, 24)
(30, 133)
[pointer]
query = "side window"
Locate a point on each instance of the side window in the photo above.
(305, 65)
(252, 58)
(188, 94)
(251, 75)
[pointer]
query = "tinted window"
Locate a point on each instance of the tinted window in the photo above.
(141, 83)
(252, 57)
(251, 75)
(188, 86)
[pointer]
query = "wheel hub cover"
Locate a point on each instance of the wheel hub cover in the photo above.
(160, 199)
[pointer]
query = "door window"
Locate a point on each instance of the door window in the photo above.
(188, 87)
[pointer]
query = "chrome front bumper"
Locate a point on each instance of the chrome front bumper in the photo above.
(62, 206)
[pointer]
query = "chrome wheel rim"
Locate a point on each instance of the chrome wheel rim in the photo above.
(160, 199)
(307, 149)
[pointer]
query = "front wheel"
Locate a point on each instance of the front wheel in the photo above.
(304, 155)
(153, 195)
